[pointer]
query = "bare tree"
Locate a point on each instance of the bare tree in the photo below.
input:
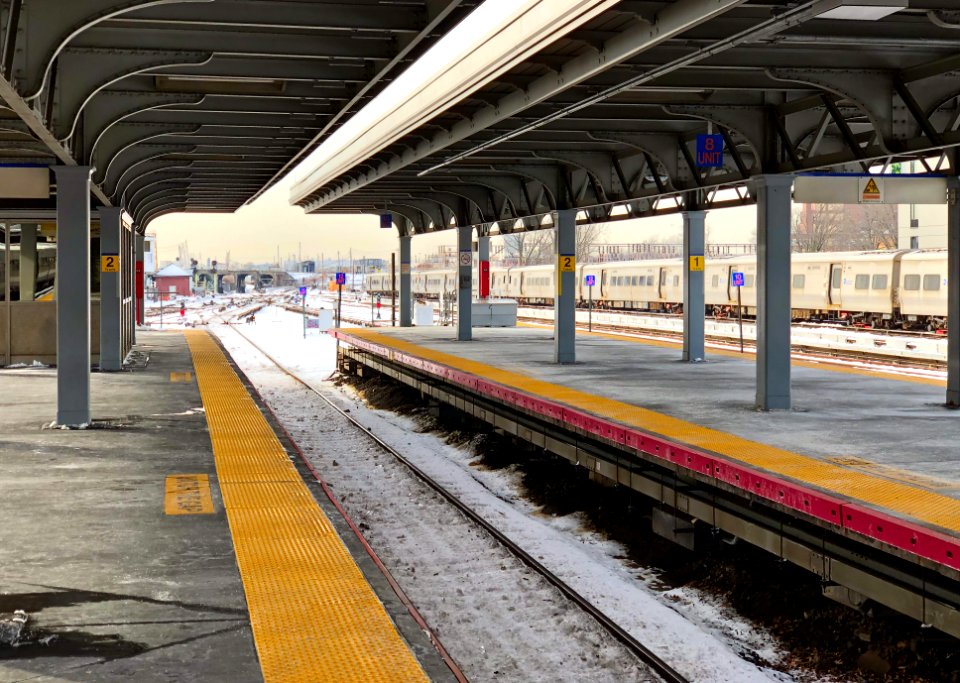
(816, 227)
(588, 236)
(871, 226)
(528, 247)
(845, 227)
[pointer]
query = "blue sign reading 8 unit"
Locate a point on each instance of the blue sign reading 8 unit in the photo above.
(737, 279)
(341, 278)
(591, 280)
(709, 151)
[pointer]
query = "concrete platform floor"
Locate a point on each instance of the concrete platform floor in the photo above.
(898, 428)
(131, 593)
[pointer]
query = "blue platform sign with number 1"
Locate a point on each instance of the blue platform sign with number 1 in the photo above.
(737, 279)
(303, 291)
(591, 280)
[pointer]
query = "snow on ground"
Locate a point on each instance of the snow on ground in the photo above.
(697, 634)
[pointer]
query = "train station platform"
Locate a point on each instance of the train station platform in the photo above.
(858, 483)
(176, 538)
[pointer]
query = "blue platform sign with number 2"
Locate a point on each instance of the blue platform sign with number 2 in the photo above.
(737, 279)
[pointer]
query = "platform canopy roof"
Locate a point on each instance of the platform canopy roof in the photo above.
(202, 105)
(196, 105)
(601, 111)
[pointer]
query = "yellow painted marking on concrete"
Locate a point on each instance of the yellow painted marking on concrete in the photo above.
(181, 376)
(926, 506)
(314, 616)
(188, 494)
(888, 472)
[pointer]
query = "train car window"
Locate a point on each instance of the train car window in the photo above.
(861, 281)
(634, 281)
(663, 277)
(799, 281)
(715, 281)
(879, 281)
(931, 282)
(650, 280)
(748, 280)
(835, 277)
(676, 280)
(911, 282)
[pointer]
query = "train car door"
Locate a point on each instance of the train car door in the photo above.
(603, 283)
(836, 279)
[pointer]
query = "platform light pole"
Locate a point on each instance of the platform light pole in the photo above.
(303, 309)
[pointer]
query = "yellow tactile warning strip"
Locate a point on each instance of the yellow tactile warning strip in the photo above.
(909, 501)
(832, 367)
(187, 494)
(314, 616)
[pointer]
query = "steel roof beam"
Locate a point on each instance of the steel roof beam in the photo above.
(281, 14)
(672, 20)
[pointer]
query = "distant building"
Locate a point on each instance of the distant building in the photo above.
(308, 266)
(150, 254)
(922, 226)
(173, 280)
(369, 265)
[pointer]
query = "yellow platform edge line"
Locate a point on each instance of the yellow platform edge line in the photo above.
(313, 614)
(909, 501)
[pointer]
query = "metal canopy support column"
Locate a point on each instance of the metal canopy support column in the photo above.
(139, 281)
(693, 285)
(406, 295)
(565, 303)
(111, 333)
(464, 283)
(28, 261)
(773, 290)
(73, 295)
(953, 286)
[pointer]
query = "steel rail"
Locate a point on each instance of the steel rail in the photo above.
(641, 651)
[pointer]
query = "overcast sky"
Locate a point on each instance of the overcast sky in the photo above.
(254, 232)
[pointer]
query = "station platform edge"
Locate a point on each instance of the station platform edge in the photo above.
(314, 616)
(919, 522)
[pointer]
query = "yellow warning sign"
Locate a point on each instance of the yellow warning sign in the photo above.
(870, 191)
(696, 263)
(188, 494)
(181, 376)
(110, 263)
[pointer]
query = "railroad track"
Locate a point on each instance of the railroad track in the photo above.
(800, 351)
(639, 650)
